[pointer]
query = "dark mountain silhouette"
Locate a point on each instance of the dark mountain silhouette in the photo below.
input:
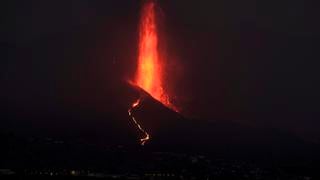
(169, 130)
(172, 131)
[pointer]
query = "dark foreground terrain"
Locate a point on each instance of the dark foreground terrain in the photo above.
(54, 158)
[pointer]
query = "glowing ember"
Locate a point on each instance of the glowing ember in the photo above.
(149, 75)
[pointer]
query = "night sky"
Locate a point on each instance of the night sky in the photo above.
(251, 61)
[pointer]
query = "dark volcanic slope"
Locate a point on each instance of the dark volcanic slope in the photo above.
(103, 119)
(171, 131)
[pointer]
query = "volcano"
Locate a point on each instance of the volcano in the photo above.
(150, 66)
(171, 131)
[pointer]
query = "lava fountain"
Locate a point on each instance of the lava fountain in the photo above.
(150, 67)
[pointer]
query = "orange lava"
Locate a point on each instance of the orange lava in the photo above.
(149, 75)
(146, 135)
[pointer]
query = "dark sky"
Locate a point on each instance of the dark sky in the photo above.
(252, 61)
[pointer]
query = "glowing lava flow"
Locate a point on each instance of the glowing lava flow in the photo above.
(134, 106)
(149, 75)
